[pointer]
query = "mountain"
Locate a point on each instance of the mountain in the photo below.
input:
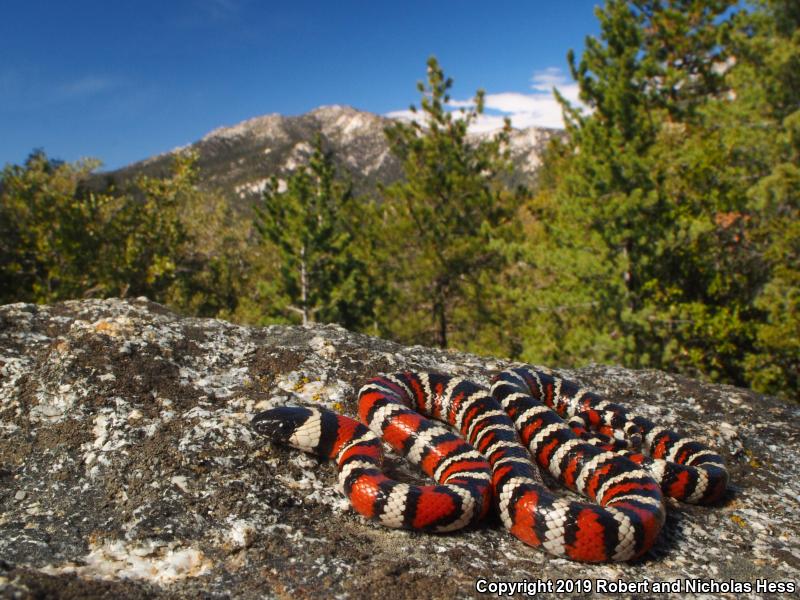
(240, 159)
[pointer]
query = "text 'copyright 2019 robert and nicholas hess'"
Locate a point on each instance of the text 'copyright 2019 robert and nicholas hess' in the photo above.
(575, 587)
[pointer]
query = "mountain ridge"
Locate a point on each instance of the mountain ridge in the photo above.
(239, 159)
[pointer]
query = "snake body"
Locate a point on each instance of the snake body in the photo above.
(596, 453)
(686, 469)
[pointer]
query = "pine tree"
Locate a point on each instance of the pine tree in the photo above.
(610, 217)
(146, 244)
(311, 226)
(215, 264)
(50, 230)
(661, 207)
(448, 221)
(767, 75)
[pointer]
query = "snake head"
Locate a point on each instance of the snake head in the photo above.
(280, 424)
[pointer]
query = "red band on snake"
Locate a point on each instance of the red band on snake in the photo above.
(596, 455)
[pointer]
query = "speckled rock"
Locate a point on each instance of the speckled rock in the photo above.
(128, 470)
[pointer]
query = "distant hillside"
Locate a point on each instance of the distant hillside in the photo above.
(241, 158)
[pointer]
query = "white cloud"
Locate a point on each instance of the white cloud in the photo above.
(538, 108)
(404, 115)
(487, 123)
(85, 86)
(220, 9)
(460, 103)
(548, 78)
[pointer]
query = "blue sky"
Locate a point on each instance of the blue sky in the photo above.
(121, 81)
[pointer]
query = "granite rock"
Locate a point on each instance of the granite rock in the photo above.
(128, 469)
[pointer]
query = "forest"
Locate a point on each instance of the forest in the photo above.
(662, 230)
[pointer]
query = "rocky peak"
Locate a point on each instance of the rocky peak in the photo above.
(239, 159)
(264, 127)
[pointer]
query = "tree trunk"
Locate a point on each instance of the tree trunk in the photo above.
(304, 285)
(440, 316)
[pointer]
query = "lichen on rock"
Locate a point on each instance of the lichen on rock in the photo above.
(128, 467)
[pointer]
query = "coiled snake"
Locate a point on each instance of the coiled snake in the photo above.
(623, 463)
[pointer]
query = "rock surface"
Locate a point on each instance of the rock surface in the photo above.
(128, 469)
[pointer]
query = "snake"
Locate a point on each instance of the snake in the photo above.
(529, 421)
